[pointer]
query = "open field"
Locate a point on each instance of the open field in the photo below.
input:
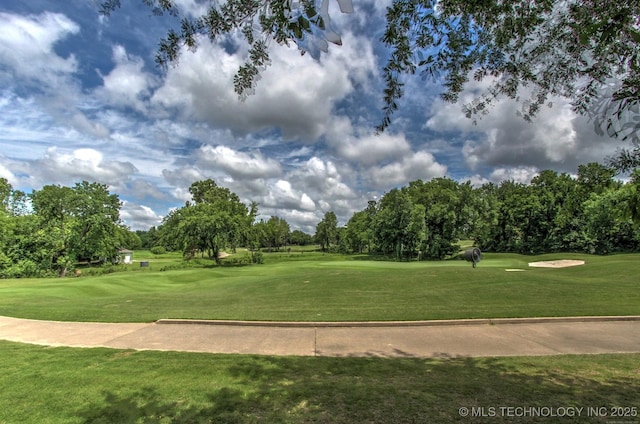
(311, 286)
(66, 385)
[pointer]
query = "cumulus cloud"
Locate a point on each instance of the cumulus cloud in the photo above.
(420, 165)
(183, 176)
(238, 165)
(364, 147)
(556, 139)
(296, 94)
(6, 174)
(127, 85)
(321, 179)
(195, 8)
(27, 50)
(58, 166)
(142, 189)
(27, 46)
(139, 217)
(282, 195)
(520, 174)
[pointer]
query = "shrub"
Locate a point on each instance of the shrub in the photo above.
(158, 250)
(257, 258)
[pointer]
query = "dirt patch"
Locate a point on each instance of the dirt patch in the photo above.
(563, 263)
(222, 255)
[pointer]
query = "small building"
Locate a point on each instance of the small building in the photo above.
(126, 256)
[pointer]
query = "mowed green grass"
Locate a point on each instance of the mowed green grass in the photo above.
(67, 385)
(314, 287)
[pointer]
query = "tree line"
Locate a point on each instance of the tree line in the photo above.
(52, 229)
(590, 213)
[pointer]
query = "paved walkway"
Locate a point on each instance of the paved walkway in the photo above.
(499, 337)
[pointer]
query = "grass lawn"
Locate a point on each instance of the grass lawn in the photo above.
(67, 385)
(310, 286)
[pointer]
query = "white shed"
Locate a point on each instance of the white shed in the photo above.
(126, 256)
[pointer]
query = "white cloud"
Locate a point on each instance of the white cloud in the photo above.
(127, 85)
(194, 8)
(556, 139)
(282, 195)
(475, 180)
(27, 50)
(27, 46)
(421, 165)
(365, 147)
(6, 174)
(521, 174)
(58, 166)
(142, 189)
(296, 94)
(321, 179)
(183, 176)
(139, 217)
(238, 165)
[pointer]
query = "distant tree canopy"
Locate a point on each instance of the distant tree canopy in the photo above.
(327, 230)
(65, 225)
(587, 51)
(273, 233)
(592, 213)
(216, 219)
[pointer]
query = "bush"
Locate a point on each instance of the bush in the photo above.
(256, 258)
(22, 269)
(158, 250)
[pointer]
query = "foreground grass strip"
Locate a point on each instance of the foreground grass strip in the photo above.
(306, 287)
(66, 385)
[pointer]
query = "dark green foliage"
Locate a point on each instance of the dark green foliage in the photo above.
(158, 250)
(593, 213)
(300, 238)
(67, 225)
(327, 231)
(149, 238)
(272, 234)
(216, 220)
(559, 213)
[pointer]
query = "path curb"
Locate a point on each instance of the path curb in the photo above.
(429, 323)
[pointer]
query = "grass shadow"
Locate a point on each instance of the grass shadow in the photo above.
(375, 390)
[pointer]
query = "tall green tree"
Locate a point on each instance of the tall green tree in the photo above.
(216, 219)
(273, 233)
(447, 214)
(399, 226)
(300, 238)
(77, 224)
(359, 232)
(327, 230)
(608, 226)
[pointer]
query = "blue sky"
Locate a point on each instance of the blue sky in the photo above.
(82, 99)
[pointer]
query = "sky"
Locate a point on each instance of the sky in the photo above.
(81, 98)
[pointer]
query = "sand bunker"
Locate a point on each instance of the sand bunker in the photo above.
(563, 263)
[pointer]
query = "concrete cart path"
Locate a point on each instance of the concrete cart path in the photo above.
(499, 337)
